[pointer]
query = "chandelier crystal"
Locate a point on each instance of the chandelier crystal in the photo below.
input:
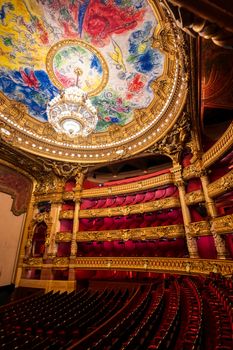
(71, 112)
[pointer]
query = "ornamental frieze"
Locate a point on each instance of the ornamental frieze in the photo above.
(66, 214)
(160, 264)
(194, 197)
(142, 185)
(172, 231)
(223, 224)
(222, 185)
(133, 209)
(200, 228)
(63, 237)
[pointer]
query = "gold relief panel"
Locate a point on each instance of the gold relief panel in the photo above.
(222, 185)
(68, 196)
(137, 186)
(63, 237)
(61, 261)
(38, 262)
(133, 209)
(223, 224)
(194, 197)
(66, 214)
(175, 265)
(172, 231)
(200, 228)
(219, 148)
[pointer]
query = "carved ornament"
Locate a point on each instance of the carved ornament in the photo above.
(174, 141)
(174, 265)
(200, 228)
(222, 185)
(172, 231)
(193, 170)
(142, 185)
(165, 203)
(63, 237)
(66, 214)
(61, 261)
(194, 197)
(223, 224)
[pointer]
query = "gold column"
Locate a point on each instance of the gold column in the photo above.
(51, 242)
(212, 211)
(191, 241)
(74, 247)
(210, 205)
(26, 244)
(77, 198)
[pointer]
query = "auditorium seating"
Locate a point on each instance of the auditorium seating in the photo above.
(164, 312)
(130, 199)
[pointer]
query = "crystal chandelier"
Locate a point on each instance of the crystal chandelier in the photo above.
(71, 112)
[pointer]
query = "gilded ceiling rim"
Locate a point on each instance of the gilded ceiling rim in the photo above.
(24, 132)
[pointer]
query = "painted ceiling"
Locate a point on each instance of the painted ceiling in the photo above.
(43, 42)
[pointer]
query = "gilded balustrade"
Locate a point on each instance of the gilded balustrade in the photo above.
(137, 186)
(222, 185)
(172, 231)
(149, 264)
(223, 224)
(219, 148)
(194, 197)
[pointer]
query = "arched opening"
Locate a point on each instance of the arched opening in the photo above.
(38, 242)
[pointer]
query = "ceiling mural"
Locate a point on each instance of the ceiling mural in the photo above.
(130, 53)
(118, 33)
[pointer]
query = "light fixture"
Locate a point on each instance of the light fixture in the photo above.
(71, 112)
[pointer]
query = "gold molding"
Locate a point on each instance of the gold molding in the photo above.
(66, 214)
(149, 264)
(193, 170)
(194, 197)
(200, 228)
(219, 148)
(137, 186)
(222, 185)
(165, 203)
(172, 231)
(222, 224)
(63, 237)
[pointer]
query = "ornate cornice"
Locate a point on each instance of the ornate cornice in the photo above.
(158, 264)
(219, 148)
(223, 224)
(165, 203)
(137, 186)
(200, 228)
(194, 197)
(172, 231)
(222, 185)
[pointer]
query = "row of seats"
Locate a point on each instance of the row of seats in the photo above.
(129, 199)
(176, 313)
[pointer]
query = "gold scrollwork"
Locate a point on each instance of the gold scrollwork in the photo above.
(172, 231)
(63, 237)
(175, 265)
(223, 224)
(200, 228)
(222, 185)
(164, 203)
(153, 182)
(194, 197)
